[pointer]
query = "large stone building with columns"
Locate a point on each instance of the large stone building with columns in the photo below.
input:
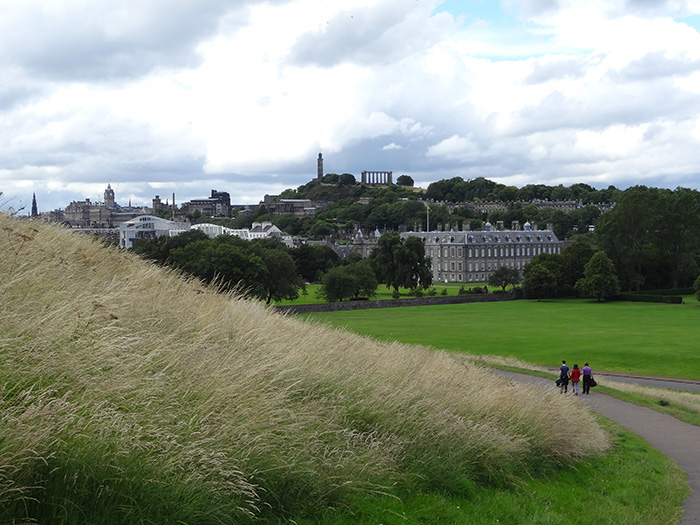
(472, 256)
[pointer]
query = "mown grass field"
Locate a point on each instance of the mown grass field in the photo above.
(309, 296)
(640, 338)
(131, 394)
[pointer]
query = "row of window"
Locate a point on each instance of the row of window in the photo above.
(479, 266)
(459, 278)
(500, 251)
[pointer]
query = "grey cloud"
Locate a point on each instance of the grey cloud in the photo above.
(379, 34)
(628, 104)
(656, 65)
(658, 7)
(110, 39)
(532, 8)
(544, 72)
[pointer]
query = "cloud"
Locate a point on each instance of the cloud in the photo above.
(374, 34)
(107, 39)
(189, 96)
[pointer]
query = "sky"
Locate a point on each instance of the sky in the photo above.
(156, 97)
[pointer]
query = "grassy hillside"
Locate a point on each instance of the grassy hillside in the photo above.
(130, 394)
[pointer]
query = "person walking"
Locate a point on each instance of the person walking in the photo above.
(587, 375)
(564, 377)
(575, 378)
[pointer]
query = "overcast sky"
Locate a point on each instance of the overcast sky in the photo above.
(186, 96)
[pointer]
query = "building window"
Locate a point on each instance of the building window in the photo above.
(459, 252)
(452, 252)
(470, 253)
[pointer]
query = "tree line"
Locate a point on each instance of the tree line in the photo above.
(268, 270)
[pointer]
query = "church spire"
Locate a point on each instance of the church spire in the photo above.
(35, 211)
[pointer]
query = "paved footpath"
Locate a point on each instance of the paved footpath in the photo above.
(678, 440)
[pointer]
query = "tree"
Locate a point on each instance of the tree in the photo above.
(347, 179)
(626, 233)
(696, 287)
(313, 260)
(600, 280)
(404, 180)
(281, 280)
(504, 276)
(401, 263)
(538, 282)
(350, 281)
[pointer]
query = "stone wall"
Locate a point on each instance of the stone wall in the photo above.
(394, 303)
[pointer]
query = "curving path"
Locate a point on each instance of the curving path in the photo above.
(677, 439)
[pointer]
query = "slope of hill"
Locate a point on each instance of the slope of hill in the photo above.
(131, 393)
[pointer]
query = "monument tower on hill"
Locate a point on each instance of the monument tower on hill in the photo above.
(320, 167)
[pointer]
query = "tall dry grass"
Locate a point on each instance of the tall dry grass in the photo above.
(129, 390)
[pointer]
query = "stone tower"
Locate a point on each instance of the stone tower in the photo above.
(35, 211)
(109, 197)
(320, 167)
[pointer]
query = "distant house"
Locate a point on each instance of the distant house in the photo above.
(214, 230)
(148, 227)
(263, 230)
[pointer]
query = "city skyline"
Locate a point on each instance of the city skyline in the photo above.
(158, 98)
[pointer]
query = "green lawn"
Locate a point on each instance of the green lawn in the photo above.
(641, 338)
(383, 292)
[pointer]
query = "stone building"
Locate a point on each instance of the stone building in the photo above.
(100, 215)
(472, 256)
(218, 205)
(296, 207)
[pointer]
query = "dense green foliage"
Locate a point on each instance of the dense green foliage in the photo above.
(505, 277)
(401, 262)
(538, 282)
(261, 268)
(349, 281)
(653, 237)
(314, 260)
(599, 280)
